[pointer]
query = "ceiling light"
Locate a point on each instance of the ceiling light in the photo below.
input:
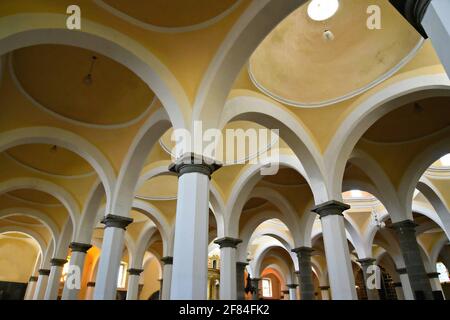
(356, 193)
(445, 160)
(320, 10)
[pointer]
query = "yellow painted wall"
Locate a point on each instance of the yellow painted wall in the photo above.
(17, 260)
(151, 277)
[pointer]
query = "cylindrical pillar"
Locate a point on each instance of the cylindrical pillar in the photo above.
(418, 279)
(112, 250)
(76, 265)
(337, 253)
(54, 279)
(133, 283)
(190, 255)
(292, 291)
(305, 274)
(167, 277)
(41, 284)
(228, 290)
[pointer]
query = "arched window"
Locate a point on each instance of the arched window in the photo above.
(267, 288)
(443, 272)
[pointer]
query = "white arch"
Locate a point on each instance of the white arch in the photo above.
(34, 235)
(63, 242)
(262, 252)
(274, 116)
(253, 26)
(416, 169)
(243, 187)
(437, 248)
(65, 139)
(369, 111)
(38, 215)
(133, 164)
(55, 190)
(29, 29)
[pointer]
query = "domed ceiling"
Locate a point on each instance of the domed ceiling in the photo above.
(50, 159)
(173, 13)
(159, 188)
(296, 65)
(412, 121)
(55, 76)
(286, 177)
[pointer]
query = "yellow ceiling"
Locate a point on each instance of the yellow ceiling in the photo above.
(173, 13)
(160, 187)
(53, 75)
(34, 196)
(296, 65)
(286, 177)
(24, 219)
(413, 121)
(50, 159)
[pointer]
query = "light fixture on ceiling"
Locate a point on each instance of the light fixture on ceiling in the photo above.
(88, 78)
(445, 160)
(320, 10)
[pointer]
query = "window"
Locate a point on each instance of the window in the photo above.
(267, 288)
(443, 272)
(122, 278)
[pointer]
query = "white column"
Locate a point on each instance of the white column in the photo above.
(325, 291)
(406, 286)
(399, 291)
(292, 291)
(71, 290)
(436, 23)
(133, 284)
(54, 279)
(337, 253)
(112, 250)
(228, 289)
(435, 283)
(41, 284)
(190, 269)
(30, 288)
(90, 287)
(166, 280)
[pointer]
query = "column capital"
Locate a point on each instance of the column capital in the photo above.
(292, 286)
(227, 242)
(401, 271)
(304, 251)
(135, 272)
(79, 247)
(90, 284)
(191, 162)
(44, 272)
(366, 261)
(330, 208)
(404, 225)
(255, 279)
(323, 288)
(33, 279)
(433, 275)
(113, 221)
(285, 291)
(413, 11)
(397, 284)
(167, 260)
(241, 264)
(55, 262)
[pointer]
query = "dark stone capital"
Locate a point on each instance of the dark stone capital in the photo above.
(285, 291)
(366, 262)
(33, 279)
(227, 242)
(91, 284)
(303, 251)
(292, 286)
(44, 272)
(402, 271)
(330, 208)
(433, 275)
(405, 226)
(135, 272)
(397, 284)
(413, 11)
(323, 288)
(55, 262)
(241, 265)
(167, 260)
(79, 247)
(191, 162)
(113, 221)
